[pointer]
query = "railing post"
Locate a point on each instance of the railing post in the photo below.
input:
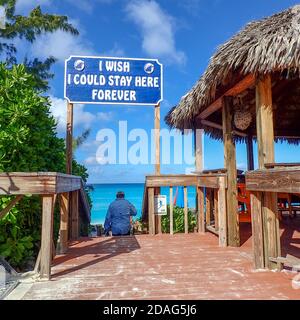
(158, 217)
(216, 209)
(222, 213)
(171, 212)
(257, 230)
(151, 216)
(208, 207)
(64, 221)
(74, 215)
(186, 221)
(201, 218)
(47, 236)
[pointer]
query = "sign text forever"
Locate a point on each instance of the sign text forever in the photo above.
(113, 80)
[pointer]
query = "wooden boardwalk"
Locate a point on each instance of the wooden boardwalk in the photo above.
(161, 267)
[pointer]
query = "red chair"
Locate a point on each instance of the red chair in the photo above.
(244, 203)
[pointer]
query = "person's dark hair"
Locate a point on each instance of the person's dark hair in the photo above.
(120, 195)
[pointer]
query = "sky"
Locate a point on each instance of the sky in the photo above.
(182, 34)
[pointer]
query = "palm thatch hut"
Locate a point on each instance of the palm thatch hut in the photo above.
(251, 90)
(268, 46)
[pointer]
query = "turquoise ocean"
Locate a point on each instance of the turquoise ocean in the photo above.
(103, 194)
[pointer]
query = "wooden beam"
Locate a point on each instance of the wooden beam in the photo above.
(222, 213)
(171, 212)
(280, 180)
(157, 216)
(241, 86)
(157, 159)
(47, 236)
(20, 183)
(151, 217)
(271, 229)
(64, 219)
(186, 218)
(171, 180)
(218, 126)
(198, 137)
(250, 158)
(265, 142)
(69, 138)
(201, 216)
(230, 165)
(74, 215)
(208, 205)
(12, 203)
(213, 230)
(257, 230)
(157, 138)
(281, 165)
(216, 208)
(264, 121)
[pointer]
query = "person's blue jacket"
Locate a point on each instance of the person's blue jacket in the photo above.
(118, 217)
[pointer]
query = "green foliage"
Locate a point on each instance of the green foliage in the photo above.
(28, 142)
(178, 224)
(28, 28)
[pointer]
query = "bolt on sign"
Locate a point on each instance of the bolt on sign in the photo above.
(105, 80)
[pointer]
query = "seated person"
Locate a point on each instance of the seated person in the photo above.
(118, 216)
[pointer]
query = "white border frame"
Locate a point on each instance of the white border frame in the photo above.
(114, 103)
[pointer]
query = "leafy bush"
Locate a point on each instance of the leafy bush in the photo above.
(178, 220)
(28, 142)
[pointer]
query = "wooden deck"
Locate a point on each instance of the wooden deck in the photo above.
(182, 266)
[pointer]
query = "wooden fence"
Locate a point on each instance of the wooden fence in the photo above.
(51, 186)
(267, 184)
(210, 199)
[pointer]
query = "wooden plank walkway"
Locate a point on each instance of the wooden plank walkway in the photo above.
(161, 267)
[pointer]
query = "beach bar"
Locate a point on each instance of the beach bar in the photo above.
(251, 92)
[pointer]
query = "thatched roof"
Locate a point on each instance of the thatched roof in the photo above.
(271, 45)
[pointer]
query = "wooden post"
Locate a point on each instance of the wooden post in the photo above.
(216, 209)
(264, 122)
(157, 138)
(47, 236)
(157, 158)
(250, 158)
(208, 207)
(157, 217)
(201, 217)
(265, 143)
(64, 220)
(257, 230)
(230, 165)
(198, 135)
(151, 217)
(74, 215)
(222, 216)
(69, 138)
(171, 212)
(186, 221)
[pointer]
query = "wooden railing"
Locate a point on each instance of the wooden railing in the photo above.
(211, 201)
(50, 186)
(265, 185)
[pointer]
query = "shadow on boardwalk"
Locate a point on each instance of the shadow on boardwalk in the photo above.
(98, 251)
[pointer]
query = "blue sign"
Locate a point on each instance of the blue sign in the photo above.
(104, 80)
